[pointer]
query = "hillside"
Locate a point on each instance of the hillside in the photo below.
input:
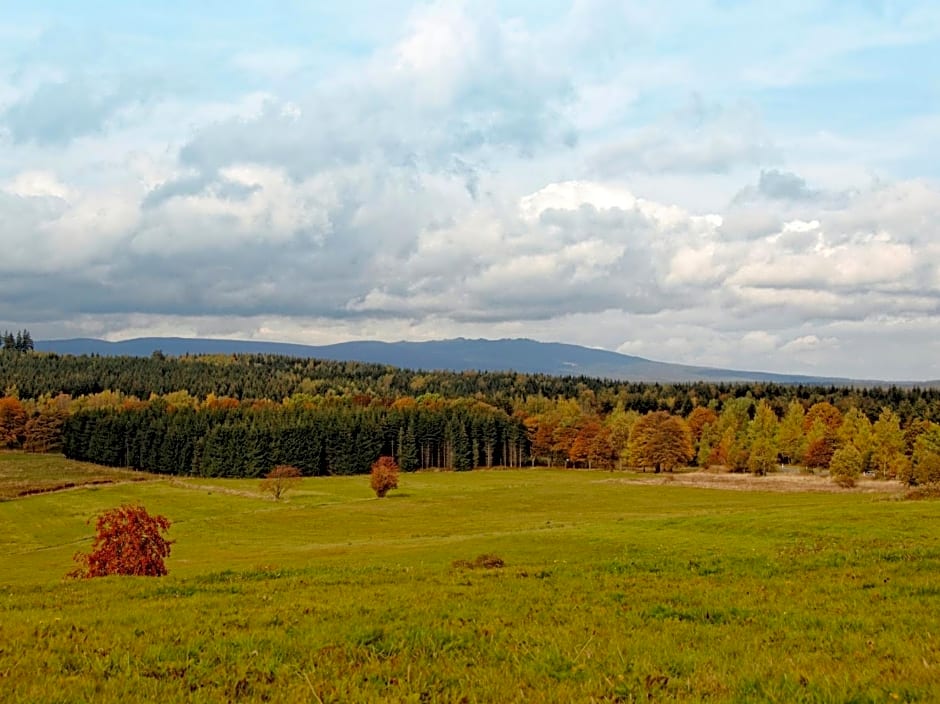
(520, 355)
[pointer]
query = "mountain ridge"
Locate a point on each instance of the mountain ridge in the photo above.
(457, 354)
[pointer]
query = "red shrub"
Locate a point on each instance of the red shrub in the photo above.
(129, 541)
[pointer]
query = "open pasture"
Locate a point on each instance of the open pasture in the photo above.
(610, 592)
(23, 474)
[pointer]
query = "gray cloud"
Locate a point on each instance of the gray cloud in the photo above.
(431, 189)
(784, 186)
(56, 113)
(203, 184)
(778, 188)
(571, 251)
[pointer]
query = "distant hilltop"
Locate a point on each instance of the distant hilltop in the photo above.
(520, 355)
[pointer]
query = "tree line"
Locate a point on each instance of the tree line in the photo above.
(339, 438)
(745, 435)
(255, 409)
(246, 377)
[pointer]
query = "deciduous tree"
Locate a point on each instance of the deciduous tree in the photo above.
(846, 465)
(821, 427)
(819, 451)
(926, 459)
(620, 424)
(12, 422)
(887, 444)
(790, 435)
(698, 419)
(856, 430)
(128, 541)
(592, 446)
(43, 432)
(280, 480)
(732, 449)
(384, 476)
(661, 441)
(762, 437)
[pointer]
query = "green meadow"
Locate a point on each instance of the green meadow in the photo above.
(610, 591)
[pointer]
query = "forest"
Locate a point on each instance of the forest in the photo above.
(240, 415)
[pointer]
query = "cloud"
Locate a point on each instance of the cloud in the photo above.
(810, 343)
(695, 139)
(58, 112)
(452, 168)
(335, 246)
(454, 91)
(784, 186)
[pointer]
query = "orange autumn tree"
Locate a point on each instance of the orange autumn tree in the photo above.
(661, 441)
(384, 476)
(821, 428)
(698, 419)
(12, 422)
(128, 541)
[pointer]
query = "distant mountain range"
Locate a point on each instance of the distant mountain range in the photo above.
(520, 355)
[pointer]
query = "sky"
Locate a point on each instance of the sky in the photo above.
(750, 185)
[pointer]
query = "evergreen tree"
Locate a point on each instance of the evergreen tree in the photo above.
(462, 448)
(407, 448)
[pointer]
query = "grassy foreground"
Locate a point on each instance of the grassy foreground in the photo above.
(611, 592)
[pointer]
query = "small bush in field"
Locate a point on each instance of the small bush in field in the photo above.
(384, 476)
(128, 541)
(279, 480)
(487, 562)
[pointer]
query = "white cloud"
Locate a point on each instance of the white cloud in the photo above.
(37, 184)
(693, 266)
(810, 343)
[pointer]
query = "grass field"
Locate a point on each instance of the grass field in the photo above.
(611, 592)
(24, 474)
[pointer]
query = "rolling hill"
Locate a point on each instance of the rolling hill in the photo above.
(460, 354)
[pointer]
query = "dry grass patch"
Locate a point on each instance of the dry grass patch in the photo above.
(787, 483)
(926, 491)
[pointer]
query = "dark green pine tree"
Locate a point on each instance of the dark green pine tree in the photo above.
(463, 459)
(407, 448)
(26, 342)
(340, 444)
